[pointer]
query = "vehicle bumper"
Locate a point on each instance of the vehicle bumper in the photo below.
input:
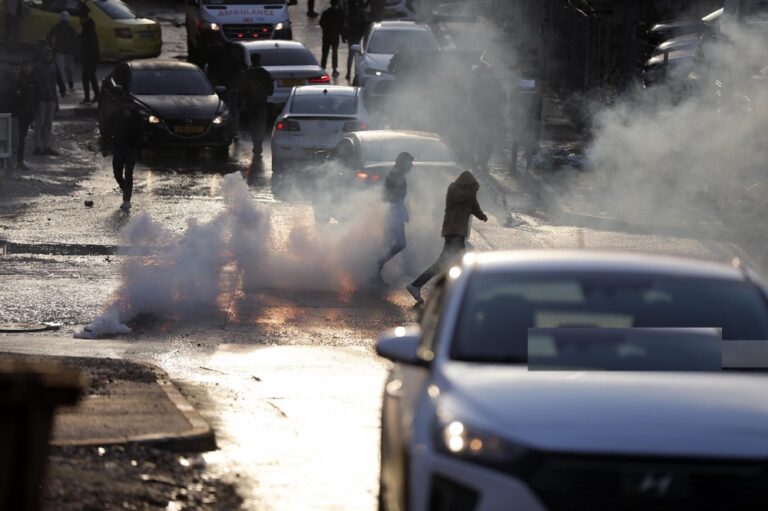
(377, 87)
(437, 479)
(160, 136)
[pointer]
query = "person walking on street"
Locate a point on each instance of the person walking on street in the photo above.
(332, 23)
(124, 132)
(14, 9)
(354, 30)
(25, 107)
(256, 87)
(395, 191)
(89, 56)
(311, 9)
(44, 80)
(64, 40)
(231, 79)
(460, 204)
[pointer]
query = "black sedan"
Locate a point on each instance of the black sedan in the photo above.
(179, 106)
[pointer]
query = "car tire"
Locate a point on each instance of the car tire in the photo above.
(221, 152)
(278, 166)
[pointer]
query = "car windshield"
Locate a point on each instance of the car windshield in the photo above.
(387, 42)
(421, 149)
(116, 10)
(286, 57)
(499, 308)
(170, 82)
(329, 104)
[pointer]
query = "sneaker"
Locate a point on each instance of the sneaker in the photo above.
(415, 293)
(50, 152)
(312, 14)
(126, 205)
(348, 78)
(335, 74)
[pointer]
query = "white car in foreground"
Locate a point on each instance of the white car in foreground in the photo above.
(633, 424)
(379, 45)
(315, 118)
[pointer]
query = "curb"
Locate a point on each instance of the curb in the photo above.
(200, 438)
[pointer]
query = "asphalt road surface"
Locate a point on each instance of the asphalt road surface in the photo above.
(287, 376)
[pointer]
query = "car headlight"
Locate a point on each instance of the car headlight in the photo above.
(218, 119)
(214, 26)
(457, 438)
(281, 25)
(153, 119)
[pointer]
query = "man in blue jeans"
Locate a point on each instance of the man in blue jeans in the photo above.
(395, 191)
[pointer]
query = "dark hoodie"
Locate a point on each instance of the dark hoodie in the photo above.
(460, 203)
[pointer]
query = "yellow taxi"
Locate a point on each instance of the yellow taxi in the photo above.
(122, 34)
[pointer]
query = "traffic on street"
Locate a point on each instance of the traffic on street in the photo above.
(400, 255)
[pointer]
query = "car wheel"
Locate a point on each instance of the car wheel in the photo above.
(278, 166)
(221, 152)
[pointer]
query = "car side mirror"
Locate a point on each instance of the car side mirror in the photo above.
(220, 90)
(403, 346)
(356, 48)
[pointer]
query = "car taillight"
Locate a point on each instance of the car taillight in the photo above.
(361, 175)
(123, 33)
(287, 125)
(355, 126)
(375, 177)
(320, 79)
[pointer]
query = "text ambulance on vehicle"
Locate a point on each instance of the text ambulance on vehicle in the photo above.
(213, 22)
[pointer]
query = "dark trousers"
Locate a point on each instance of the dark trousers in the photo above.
(123, 162)
(24, 123)
(258, 119)
(452, 250)
(310, 5)
(89, 80)
(60, 81)
(327, 46)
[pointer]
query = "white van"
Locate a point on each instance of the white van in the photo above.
(213, 22)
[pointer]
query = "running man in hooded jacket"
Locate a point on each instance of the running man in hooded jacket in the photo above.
(395, 192)
(460, 204)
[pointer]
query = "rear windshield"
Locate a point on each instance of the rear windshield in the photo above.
(116, 10)
(499, 308)
(421, 149)
(286, 57)
(170, 82)
(387, 42)
(324, 104)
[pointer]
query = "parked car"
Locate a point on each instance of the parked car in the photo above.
(290, 63)
(179, 105)
(212, 22)
(466, 424)
(380, 43)
(314, 119)
(122, 33)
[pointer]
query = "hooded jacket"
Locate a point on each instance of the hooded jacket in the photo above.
(460, 203)
(89, 44)
(63, 38)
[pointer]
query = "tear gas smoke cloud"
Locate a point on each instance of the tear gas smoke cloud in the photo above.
(669, 157)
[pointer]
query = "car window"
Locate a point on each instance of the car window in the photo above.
(170, 82)
(387, 42)
(75, 7)
(286, 57)
(320, 104)
(422, 149)
(116, 10)
(499, 308)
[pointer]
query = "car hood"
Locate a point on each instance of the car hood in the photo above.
(378, 61)
(685, 414)
(187, 107)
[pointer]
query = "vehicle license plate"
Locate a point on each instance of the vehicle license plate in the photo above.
(147, 35)
(187, 130)
(291, 82)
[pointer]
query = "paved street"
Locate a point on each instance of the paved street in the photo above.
(286, 374)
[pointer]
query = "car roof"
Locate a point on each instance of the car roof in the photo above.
(400, 25)
(161, 64)
(589, 261)
(271, 45)
(376, 135)
(337, 90)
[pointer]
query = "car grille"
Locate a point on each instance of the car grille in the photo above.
(247, 32)
(599, 484)
(187, 127)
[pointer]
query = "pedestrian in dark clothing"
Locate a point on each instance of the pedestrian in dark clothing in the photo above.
(89, 56)
(395, 191)
(460, 204)
(13, 13)
(311, 9)
(256, 87)
(332, 23)
(124, 135)
(25, 107)
(64, 41)
(354, 30)
(44, 80)
(231, 78)
(488, 98)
